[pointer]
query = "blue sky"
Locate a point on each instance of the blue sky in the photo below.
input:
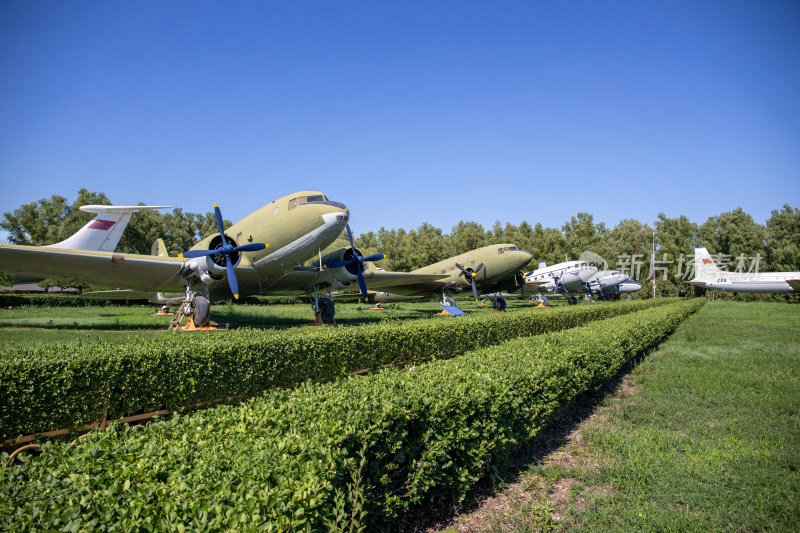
(406, 111)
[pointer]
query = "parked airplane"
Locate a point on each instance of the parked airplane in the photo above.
(568, 278)
(607, 282)
(573, 278)
(709, 276)
(102, 233)
(297, 227)
(488, 270)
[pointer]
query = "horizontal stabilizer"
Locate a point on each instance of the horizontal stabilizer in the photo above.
(794, 284)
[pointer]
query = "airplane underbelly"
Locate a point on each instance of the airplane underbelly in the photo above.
(751, 286)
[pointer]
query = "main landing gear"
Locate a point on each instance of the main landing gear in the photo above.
(196, 310)
(324, 309)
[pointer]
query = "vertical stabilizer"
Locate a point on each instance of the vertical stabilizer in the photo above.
(159, 249)
(704, 265)
(103, 232)
(542, 265)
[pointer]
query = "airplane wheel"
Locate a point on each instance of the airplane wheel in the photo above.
(500, 304)
(327, 310)
(202, 311)
(448, 301)
(543, 301)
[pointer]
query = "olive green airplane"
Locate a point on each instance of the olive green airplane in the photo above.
(488, 271)
(263, 254)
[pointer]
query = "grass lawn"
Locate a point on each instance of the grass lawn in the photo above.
(703, 435)
(707, 438)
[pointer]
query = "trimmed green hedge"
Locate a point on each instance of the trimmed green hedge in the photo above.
(321, 457)
(66, 387)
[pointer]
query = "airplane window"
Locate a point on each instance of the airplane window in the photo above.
(499, 251)
(275, 211)
(301, 200)
(443, 271)
(316, 198)
(473, 262)
(452, 268)
(292, 203)
(512, 248)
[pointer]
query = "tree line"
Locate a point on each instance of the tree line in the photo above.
(734, 237)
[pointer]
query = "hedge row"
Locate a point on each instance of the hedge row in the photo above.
(44, 388)
(324, 457)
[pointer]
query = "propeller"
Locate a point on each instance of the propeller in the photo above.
(520, 277)
(225, 249)
(356, 260)
(470, 275)
(557, 281)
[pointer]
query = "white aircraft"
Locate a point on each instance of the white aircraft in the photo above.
(608, 282)
(568, 278)
(101, 234)
(709, 276)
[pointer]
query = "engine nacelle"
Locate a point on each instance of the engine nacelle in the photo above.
(212, 269)
(343, 276)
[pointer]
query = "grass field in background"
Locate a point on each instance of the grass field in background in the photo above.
(704, 437)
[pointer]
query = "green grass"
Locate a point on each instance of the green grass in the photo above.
(709, 440)
(70, 325)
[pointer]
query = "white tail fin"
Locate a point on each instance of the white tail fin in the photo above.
(703, 263)
(542, 265)
(102, 233)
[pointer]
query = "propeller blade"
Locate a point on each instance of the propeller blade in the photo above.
(254, 247)
(218, 215)
(479, 268)
(232, 277)
(475, 289)
(362, 285)
(374, 257)
(462, 269)
(350, 237)
(189, 254)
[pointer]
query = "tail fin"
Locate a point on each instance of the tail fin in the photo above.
(542, 265)
(102, 233)
(159, 248)
(703, 263)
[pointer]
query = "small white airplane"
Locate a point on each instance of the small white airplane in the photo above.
(101, 234)
(568, 278)
(610, 282)
(708, 275)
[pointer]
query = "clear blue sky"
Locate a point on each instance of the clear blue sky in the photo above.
(406, 111)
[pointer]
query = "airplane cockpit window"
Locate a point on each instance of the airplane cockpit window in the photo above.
(300, 200)
(512, 247)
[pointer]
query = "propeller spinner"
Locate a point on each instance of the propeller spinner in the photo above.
(470, 275)
(358, 261)
(226, 249)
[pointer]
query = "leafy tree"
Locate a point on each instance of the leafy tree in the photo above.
(466, 236)
(733, 234)
(783, 239)
(582, 234)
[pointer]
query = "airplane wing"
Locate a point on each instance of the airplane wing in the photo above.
(136, 272)
(794, 284)
(302, 279)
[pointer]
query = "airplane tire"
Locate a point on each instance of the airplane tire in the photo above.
(327, 310)
(448, 301)
(543, 301)
(202, 311)
(500, 304)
